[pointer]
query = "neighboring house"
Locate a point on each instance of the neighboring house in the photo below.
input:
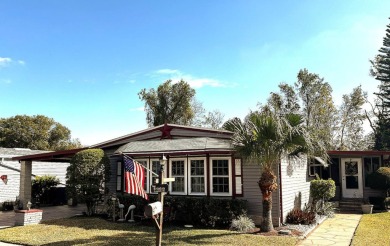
(349, 170)
(10, 169)
(204, 164)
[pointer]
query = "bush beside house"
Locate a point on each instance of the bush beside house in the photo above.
(199, 211)
(380, 180)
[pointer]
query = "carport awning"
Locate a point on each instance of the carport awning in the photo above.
(54, 156)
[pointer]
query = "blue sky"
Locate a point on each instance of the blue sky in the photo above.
(83, 62)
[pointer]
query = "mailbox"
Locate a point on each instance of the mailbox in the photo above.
(153, 209)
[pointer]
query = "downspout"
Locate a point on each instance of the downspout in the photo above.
(280, 193)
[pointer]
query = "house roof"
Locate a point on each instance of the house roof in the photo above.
(152, 140)
(177, 146)
(12, 152)
(358, 153)
(165, 131)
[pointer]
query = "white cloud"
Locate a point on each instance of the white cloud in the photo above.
(168, 71)
(195, 82)
(5, 61)
(136, 109)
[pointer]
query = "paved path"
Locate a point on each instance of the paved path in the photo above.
(338, 230)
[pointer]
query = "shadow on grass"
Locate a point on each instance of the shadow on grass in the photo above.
(119, 239)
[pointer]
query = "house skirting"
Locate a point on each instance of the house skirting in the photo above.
(28, 217)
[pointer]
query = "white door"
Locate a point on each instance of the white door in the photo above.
(352, 178)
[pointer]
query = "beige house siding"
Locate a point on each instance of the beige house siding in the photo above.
(295, 184)
(252, 193)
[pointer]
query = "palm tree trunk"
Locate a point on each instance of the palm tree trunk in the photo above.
(267, 184)
(266, 224)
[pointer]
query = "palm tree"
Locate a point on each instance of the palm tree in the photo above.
(266, 137)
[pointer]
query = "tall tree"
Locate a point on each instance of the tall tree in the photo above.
(286, 101)
(213, 119)
(35, 132)
(317, 106)
(350, 134)
(265, 137)
(170, 103)
(381, 71)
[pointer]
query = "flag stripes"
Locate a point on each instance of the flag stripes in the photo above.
(134, 178)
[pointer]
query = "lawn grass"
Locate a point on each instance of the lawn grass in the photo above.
(373, 229)
(95, 231)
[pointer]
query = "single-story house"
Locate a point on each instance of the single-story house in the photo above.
(10, 171)
(204, 163)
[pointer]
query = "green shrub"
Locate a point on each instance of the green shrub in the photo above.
(322, 189)
(380, 179)
(86, 175)
(199, 211)
(324, 208)
(297, 216)
(41, 186)
(242, 224)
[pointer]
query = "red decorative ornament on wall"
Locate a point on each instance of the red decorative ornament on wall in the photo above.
(4, 178)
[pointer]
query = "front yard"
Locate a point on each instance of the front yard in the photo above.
(373, 229)
(95, 231)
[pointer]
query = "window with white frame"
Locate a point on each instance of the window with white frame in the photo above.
(220, 176)
(178, 171)
(197, 178)
(155, 167)
(316, 167)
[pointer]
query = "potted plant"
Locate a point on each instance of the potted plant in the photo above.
(367, 207)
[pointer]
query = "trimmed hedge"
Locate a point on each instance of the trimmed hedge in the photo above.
(380, 179)
(199, 211)
(322, 189)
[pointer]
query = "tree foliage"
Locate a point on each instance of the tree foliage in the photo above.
(381, 71)
(317, 106)
(213, 119)
(42, 184)
(86, 175)
(35, 132)
(350, 132)
(170, 103)
(380, 179)
(265, 137)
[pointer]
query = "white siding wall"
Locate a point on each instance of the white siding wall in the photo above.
(295, 184)
(10, 190)
(252, 193)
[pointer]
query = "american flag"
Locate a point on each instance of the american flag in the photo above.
(134, 178)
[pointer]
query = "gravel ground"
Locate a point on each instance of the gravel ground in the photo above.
(306, 229)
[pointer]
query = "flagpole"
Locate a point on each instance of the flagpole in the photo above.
(161, 199)
(155, 174)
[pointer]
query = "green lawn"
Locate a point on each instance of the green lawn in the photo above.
(95, 231)
(373, 229)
